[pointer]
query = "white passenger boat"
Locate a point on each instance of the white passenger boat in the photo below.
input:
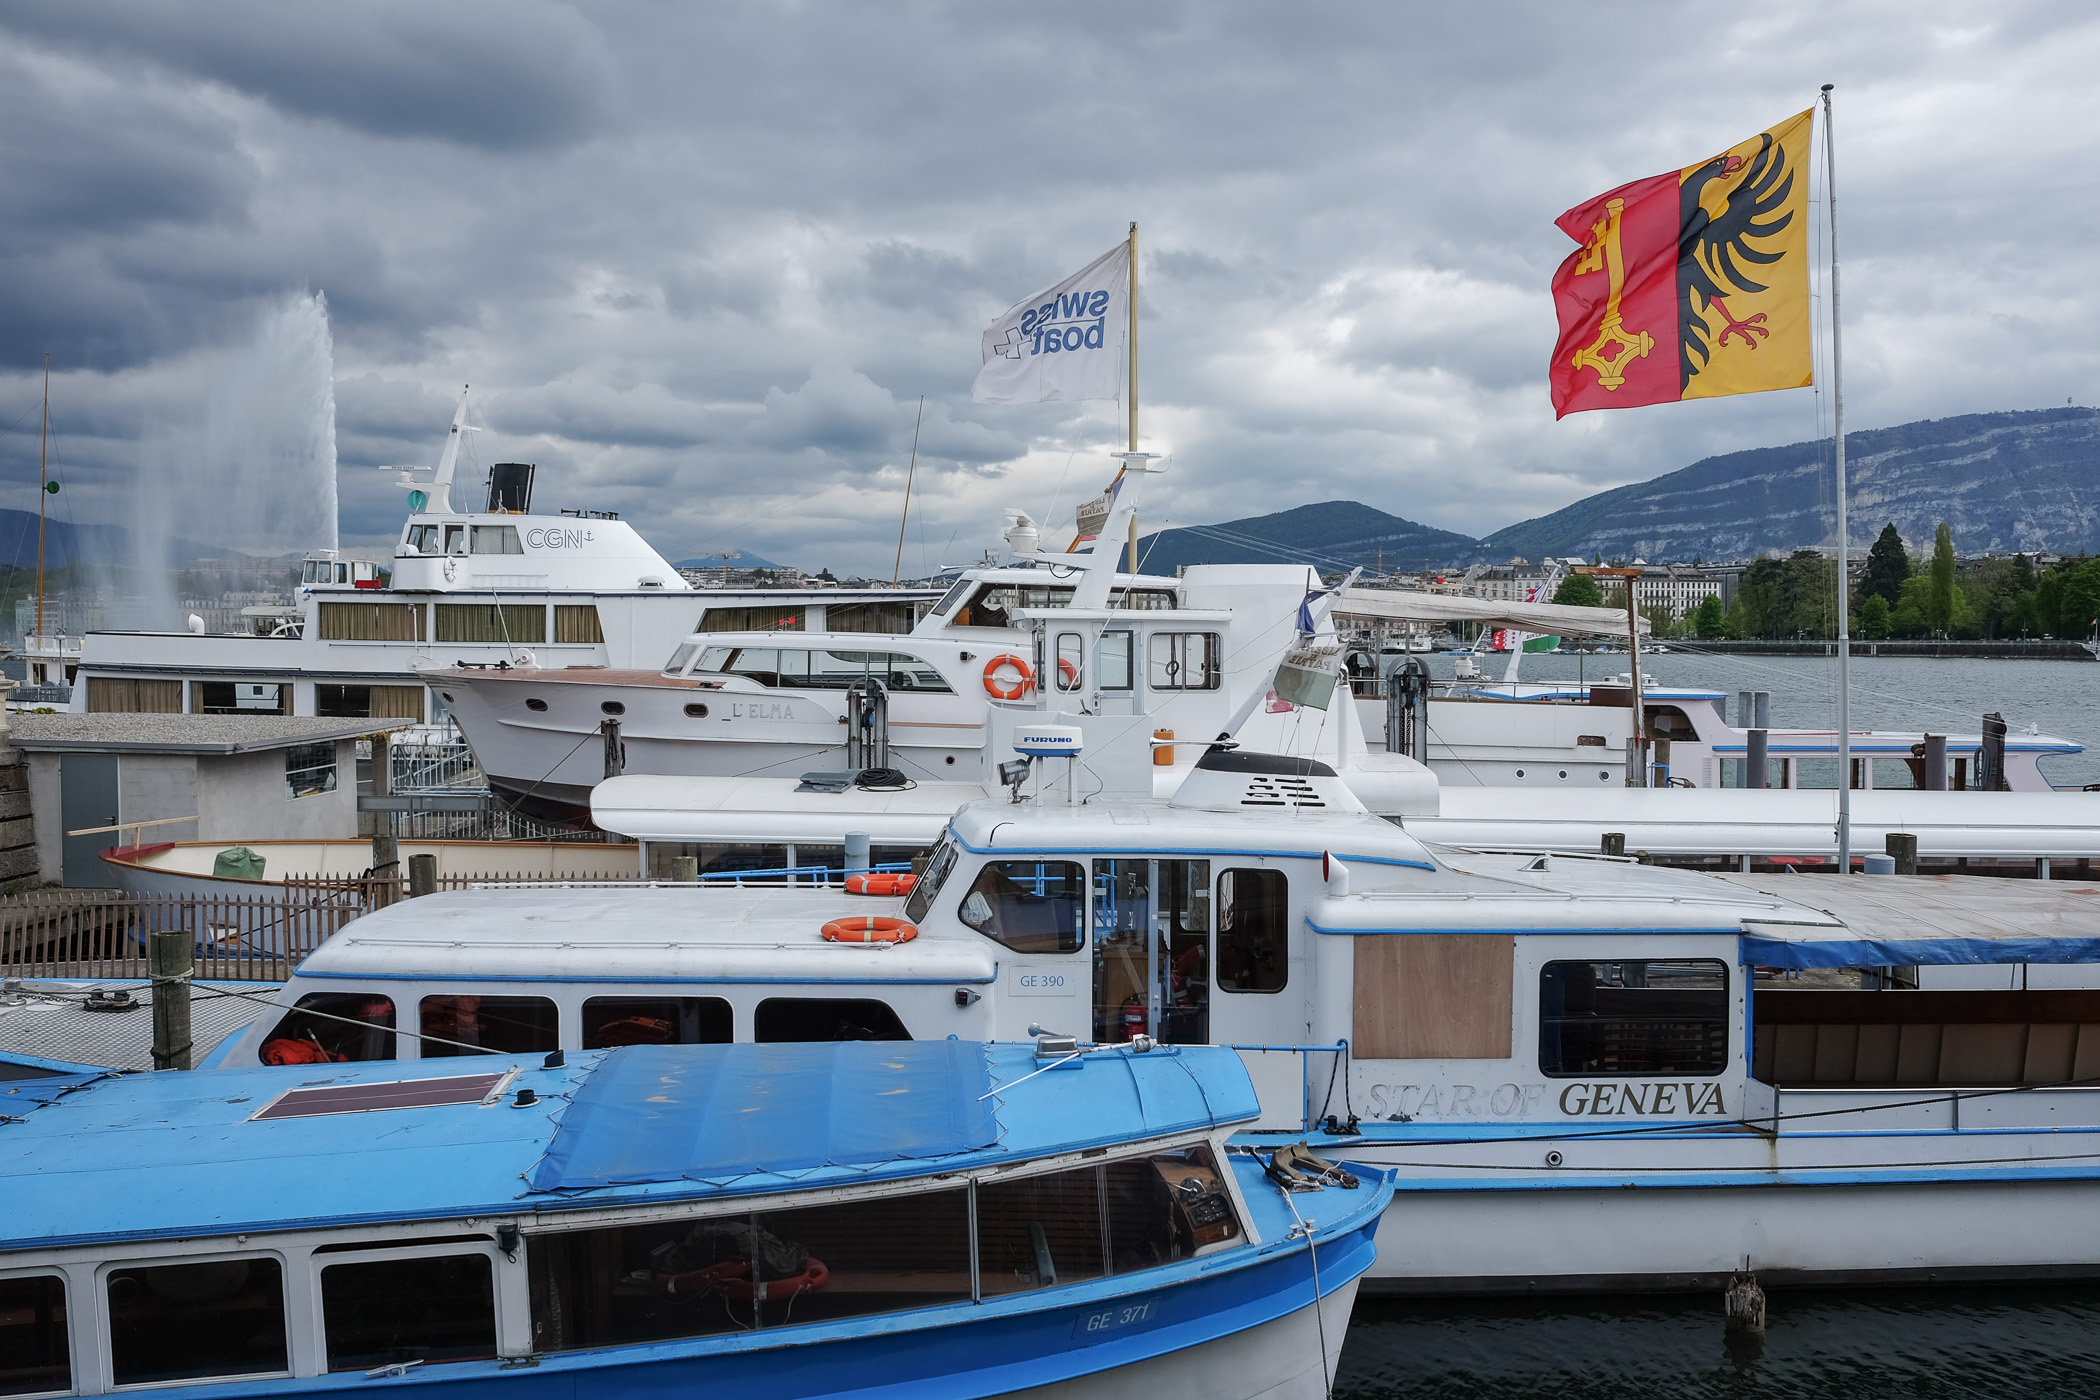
(1569, 736)
(946, 1219)
(1127, 658)
(492, 587)
(1585, 1071)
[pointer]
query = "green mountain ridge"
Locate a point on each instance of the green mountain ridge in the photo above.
(2004, 482)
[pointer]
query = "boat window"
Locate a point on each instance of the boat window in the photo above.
(826, 1018)
(1118, 662)
(371, 622)
(512, 623)
(1114, 1218)
(761, 664)
(1030, 906)
(1434, 996)
(893, 618)
(1656, 1016)
(1182, 661)
(714, 658)
(455, 539)
(309, 769)
(333, 1026)
(497, 539)
(381, 1312)
(238, 698)
(34, 1356)
(461, 1024)
(577, 622)
(928, 885)
(1124, 966)
(611, 1021)
(657, 1282)
(840, 670)
(423, 539)
(952, 596)
(176, 1322)
(778, 618)
(1071, 661)
(1253, 931)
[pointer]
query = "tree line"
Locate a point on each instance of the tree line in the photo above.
(1895, 595)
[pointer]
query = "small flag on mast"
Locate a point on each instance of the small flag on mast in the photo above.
(1689, 285)
(1065, 342)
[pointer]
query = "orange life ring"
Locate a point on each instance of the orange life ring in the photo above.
(879, 883)
(743, 1290)
(733, 1277)
(1067, 675)
(1019, 688)
(869, 928)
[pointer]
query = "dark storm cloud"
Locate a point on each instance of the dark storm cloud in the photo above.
(700, 263)
(502, 75)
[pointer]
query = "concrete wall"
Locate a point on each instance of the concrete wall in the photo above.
(44, 802)
(241, 797)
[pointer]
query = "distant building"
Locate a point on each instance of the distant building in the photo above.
(1514, 582)
(1680, 588)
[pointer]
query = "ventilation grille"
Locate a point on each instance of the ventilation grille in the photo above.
(1281, 792)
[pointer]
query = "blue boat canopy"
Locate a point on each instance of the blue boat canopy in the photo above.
(662, 1113)
(89, 1158)
(1930, 919)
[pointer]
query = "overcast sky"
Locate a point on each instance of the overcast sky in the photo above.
(700, 262)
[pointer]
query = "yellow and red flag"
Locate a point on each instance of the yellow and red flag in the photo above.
(1689, 285)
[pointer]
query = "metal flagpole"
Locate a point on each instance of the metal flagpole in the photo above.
(1844, 580)
(898, 568)
(1133, 391)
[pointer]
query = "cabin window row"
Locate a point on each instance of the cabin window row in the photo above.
(892, 618)
(994, 603)
(198, 1320)
(214, 1319)
(520, 624)
(799, 668)
(333, 1027)
(631, 1284)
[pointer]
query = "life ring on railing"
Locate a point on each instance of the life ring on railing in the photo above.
(1003, 692)
(882, 883)
(701, 1280)
(869, 928)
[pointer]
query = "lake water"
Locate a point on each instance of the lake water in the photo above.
(2060, 698)
(1850, 1345)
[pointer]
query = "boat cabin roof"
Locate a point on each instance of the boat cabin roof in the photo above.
(710, 932)
(139, 1156)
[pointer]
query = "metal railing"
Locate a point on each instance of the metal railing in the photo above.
(262, 936)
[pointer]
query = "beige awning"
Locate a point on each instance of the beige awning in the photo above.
(1439, 608)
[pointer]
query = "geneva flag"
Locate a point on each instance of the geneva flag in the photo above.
(1065, 342)
(1689, 285)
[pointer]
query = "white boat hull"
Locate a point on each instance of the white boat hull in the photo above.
(1290, 1358)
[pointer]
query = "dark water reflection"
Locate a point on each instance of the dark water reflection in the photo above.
(1855, 1344)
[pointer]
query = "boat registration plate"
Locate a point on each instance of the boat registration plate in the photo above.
(1093, 1324)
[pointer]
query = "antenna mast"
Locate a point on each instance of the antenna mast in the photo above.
(897, 569)
(43, 494)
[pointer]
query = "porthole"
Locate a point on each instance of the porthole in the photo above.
(1564, 772)
(1520, 772)
(696, 712)
(949, 760)
(613, 707)
(1604, 775)
(538, 707)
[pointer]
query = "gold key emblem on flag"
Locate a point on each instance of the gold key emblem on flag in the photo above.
(1602, 253)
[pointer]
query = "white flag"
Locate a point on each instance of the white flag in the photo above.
(1065, 342)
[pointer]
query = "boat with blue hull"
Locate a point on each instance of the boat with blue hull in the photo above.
(956, 1218)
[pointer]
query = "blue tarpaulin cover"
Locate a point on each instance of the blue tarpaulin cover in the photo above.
(666, 1113)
